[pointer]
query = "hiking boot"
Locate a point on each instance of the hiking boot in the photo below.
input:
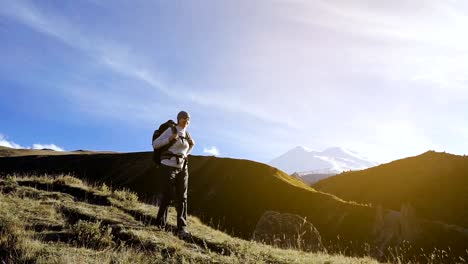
(184, 234)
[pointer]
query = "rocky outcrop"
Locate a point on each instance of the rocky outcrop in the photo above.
(392, 228)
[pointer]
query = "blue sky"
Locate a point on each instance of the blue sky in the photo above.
(387, 80)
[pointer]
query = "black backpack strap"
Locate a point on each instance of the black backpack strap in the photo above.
(168, 155)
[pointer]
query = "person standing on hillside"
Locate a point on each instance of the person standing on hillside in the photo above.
(175, 172)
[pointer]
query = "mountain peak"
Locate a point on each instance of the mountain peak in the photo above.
(333, 160)
(306, 149)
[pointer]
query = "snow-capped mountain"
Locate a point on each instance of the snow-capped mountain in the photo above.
(328, 162)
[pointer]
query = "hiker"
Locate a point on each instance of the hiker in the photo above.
(174, 171)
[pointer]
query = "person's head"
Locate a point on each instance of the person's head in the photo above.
(183, 119)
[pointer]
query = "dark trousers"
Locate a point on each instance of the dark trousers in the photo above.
(174, 187)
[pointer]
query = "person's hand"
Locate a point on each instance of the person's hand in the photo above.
(174, 137)
(191, 142)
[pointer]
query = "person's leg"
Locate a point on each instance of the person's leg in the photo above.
(181, 199)
(167, 195)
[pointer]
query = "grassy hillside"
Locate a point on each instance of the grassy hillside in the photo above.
(233, 195)
(9, 152)
(434, 183)
(62, 220)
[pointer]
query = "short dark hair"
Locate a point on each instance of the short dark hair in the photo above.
(182, 114)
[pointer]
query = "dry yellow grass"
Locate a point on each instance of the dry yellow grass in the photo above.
(40, 226)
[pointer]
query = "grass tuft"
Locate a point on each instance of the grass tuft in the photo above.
(14, 246)
(104, 188)
(92, 235)
(68, 180)
(128, 197)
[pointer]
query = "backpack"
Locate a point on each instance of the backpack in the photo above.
(163, 127)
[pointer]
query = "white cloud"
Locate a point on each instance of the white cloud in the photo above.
(9, 144)
(47, 146)
(211, 151)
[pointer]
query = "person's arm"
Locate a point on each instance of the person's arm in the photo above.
(163, 139)
(192, 143)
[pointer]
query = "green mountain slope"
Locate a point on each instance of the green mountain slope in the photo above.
(434, 183)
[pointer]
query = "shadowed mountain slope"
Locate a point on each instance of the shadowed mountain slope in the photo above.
(434, 183)
(230, 192)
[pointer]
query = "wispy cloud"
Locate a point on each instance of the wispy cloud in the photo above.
(417, 40)
(128, 62)
(428, 21)
(211, 151)
(47, 146)
(116, 57)
(10, 144)
(6, 143)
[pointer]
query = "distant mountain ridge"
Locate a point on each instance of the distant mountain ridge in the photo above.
(311, 177)
(331, 161)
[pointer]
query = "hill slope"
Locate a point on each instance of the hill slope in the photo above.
(10, 152)
(234, 195)
(434, 183)
(62, 220)
(231, 193)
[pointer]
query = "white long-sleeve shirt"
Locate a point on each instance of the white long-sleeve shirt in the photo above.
(180, 147)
